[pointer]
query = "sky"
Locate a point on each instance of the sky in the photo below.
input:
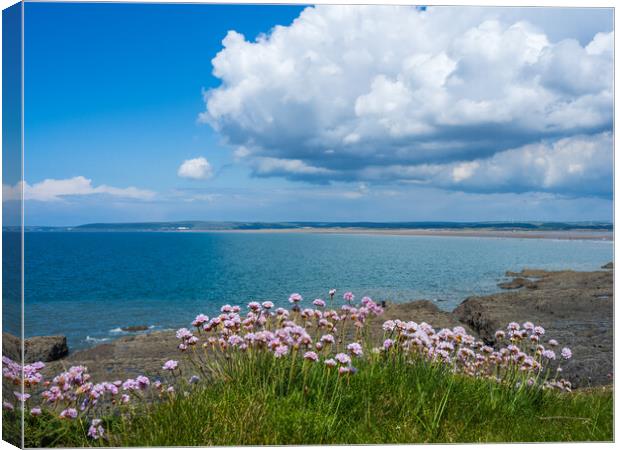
(273, 113)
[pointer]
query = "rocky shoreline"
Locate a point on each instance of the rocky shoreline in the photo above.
(576, 308)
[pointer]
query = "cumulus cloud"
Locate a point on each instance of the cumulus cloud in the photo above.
(196, 169)
(358, 93)
(53, 190)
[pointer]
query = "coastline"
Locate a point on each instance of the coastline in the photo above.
(575, 307)
(441, 232)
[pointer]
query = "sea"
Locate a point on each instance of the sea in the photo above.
(89, 285)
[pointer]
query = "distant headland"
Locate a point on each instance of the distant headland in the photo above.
(552, 230)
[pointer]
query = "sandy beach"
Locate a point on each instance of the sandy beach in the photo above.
(486, 233)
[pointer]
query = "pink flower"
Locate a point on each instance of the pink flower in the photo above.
(200, 320)
(311, 356)
(95, 431)
(280, 351)
(389, 325)
(22, 397)
(549, 354)
(35, 411)
(327, 338)
(170, 365)
(387, 344)
(348, 297)
(69, 413)
(343, 358)
(254, 306)
(553, 342)
(184, 333)
(355, 349)
(319, 303)
(295, 298)
(539, 331)
(8, 406)
(566, 353)
(332, 292)
(330, 362)
(143, 382)
(267, 305)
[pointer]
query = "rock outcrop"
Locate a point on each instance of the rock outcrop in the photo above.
(38, 348)
(576, 308)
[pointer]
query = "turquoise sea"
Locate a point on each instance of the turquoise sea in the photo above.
(86, 285)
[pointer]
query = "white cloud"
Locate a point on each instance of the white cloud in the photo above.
(575, 165)
(358, 92)
(51, 190)
(197, 169)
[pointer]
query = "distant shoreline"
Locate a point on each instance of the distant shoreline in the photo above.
(516, 234)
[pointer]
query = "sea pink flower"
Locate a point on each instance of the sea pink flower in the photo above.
(389, 325)
(280, 351)
(499, 335)
(143, 382)
(528, 326)
(539, 331)
(387, 344)
(170, 365)
(194, 379)
(35, 411)
(95, 431)
(267, 305)
(69, 413)
(8, 406)
(170, 389)
(513, 326)
(254, 306)
(348, 297)
(22, 397)
(311, 356)
(328, 339)
(343, 358)
(319, 303)
(566, 353)
(549, 354)
(200, 320)
(332, 292)
(184, 333)
(330, 362)
(295, 298)
(355, 349)
(553, 342)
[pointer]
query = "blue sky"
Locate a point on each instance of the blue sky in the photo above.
(347, 114)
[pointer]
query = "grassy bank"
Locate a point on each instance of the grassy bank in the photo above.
(388, 400)
(317, 376)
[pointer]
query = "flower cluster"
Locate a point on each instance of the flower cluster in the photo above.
(72, 394)
(313, 334)
(520, 353)
(325, 338)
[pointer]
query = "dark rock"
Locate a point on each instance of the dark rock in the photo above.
(518, 283)
(575, 308)
(38, 348)
(134, 328)
(609, 265)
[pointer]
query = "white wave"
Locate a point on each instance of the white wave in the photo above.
(92, 339)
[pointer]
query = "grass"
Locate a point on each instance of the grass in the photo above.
(389, 400)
